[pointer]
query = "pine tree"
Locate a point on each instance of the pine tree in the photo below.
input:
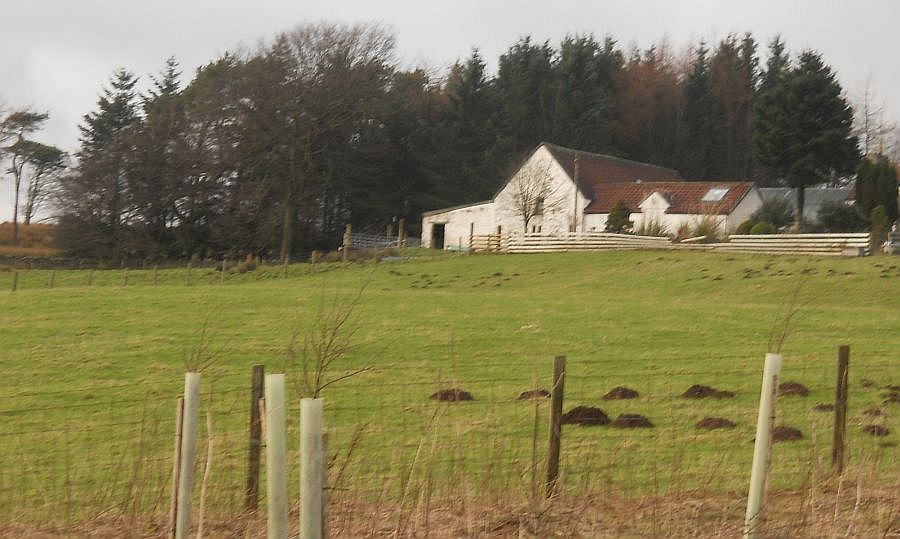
(524, 88)
(584, 100)
(697, 135)
(95, 199)
(804, 128)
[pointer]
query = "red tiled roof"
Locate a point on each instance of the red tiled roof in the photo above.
(684, 197)
(597, 169)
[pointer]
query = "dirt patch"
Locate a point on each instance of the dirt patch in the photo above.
(619, 393)
(866, 383)
(822, 407)
(892, 398)
(534, 394)
(876, 430)
(783, 433)
(585, 415)
(711, 423)
(698, 391)
(874, 412)
(632, 421)
(788, 389)
(451, 395)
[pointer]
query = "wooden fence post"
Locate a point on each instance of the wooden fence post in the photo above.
(401, 233)
(188, 441)
(840, 409)
(256, 393)
(348, 237)
(276, 449)
(176, 465)
(312, 464)
(556, 406)
(91, 277)
(762, 449)
(224, 269)
(15, 283)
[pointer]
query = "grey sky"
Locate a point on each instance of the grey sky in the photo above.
(56, 54)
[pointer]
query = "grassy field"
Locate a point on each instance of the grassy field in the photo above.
(91, 372)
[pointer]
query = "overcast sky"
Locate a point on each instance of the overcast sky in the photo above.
(55, 55)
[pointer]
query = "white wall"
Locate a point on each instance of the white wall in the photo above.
(750, 203)
(458, 223)
(559, 211)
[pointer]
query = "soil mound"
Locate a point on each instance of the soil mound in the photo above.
(793, 388)
(710, 423)
(874, 412)
(534, 394)
(783, 433)
(619, 393)
(892, 396)
(822, 407)
(698, 391)
(585, 415)
(632, 421)
(451, 395)
(876, 430)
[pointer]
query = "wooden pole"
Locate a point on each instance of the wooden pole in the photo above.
(311, 468)
(401, 233)
(256, 393)
(15, 283)
(345, 250)
(556, 406)
(224, 268)
(762, 449)
(176, 465)
(188, 441)
(840, 410)
(91, 277)
(276, 449)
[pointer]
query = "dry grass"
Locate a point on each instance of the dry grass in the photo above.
(821, 512)
(37, 236)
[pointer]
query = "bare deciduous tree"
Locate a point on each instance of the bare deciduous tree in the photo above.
(532, 193)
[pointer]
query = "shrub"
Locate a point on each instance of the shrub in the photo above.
(779, 212)
(618, 220)
(839, 217)
(879, 226)
(744, 228)
(762, 227)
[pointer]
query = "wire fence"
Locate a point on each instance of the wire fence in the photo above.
(73, 454)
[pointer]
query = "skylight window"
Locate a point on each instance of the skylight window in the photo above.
(715, 194)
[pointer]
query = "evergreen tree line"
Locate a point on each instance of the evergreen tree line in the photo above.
(273, 151)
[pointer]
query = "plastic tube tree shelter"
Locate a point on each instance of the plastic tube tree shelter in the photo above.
(762, 449)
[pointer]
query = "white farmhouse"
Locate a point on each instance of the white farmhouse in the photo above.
(559, 190)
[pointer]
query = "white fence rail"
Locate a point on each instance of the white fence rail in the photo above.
(850, 244)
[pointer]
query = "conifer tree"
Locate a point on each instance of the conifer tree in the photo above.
(804, 128)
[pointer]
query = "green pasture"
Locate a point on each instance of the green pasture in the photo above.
(92, 366)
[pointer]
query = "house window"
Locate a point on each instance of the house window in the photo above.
(539, 206)
(715, 194)
(535, 229)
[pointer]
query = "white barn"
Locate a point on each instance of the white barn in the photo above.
(558, 190)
